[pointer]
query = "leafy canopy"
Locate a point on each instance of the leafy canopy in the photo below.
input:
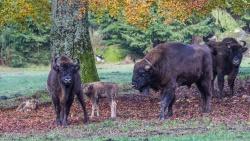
(142, 13)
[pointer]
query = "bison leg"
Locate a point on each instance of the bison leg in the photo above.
(67, 110)
(204, 88)
(113, 108)
(57, 107)
(92, 110)
(62, 112)
(167, 100)
(231, 78)
(170, 107)
(81, 100)
(220, 79)
(213, 89)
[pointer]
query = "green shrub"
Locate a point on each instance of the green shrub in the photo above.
(17, 61)
(114, 53)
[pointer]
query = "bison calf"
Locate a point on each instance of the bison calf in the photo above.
(170, 65)
(96, 90)
(63, 83)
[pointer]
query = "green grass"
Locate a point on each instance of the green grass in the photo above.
(121, 74)
(137, 130)
(22, 81)
(26, 81)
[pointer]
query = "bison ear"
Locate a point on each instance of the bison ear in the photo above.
(244, 49)
(90, 87)
(56, 67)
(147, 67)
(211, 45)
(55, 64)
(77, 67)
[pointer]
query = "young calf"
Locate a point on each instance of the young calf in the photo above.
(96, 90)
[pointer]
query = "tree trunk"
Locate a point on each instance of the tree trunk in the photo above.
(70, 35)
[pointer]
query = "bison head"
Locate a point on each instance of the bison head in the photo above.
(66, 69)
(236, 50)
(88, 89)
(142, 76)
(230, 48)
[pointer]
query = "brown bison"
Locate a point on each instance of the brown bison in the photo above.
(227, 56)
(63, 83)
(96, 90)
(170, 65)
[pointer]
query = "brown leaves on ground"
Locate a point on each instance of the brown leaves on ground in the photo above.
(133, 106)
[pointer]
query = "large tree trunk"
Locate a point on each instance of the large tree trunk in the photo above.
(70, 35)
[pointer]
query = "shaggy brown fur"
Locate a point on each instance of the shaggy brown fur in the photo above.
(227, 56)
(63, 83)
(96, 90)
(170, 65)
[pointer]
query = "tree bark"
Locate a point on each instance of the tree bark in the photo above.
(70, 35)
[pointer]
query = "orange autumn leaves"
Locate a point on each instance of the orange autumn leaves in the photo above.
(142, 12)
(14, 11)
(17, 11)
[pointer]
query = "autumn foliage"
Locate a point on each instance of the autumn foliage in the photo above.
(135, 12)
(142, 12)
(17, 11)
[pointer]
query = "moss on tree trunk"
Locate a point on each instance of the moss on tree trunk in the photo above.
(88, 69)
(70, 35)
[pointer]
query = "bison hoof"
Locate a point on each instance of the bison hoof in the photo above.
(162, 118)
(86, 121)
(206, 110)
(64, 124)
(170, 114)
(113, 118)
(58, 122)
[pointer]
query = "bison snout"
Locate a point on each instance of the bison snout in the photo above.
(67, 80)
(236, 61)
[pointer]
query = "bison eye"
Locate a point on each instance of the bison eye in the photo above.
(60, 68)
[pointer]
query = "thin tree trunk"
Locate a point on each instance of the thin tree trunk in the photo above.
(70, 35)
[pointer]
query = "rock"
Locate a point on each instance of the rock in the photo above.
(246, 98)
(225, 99)
(28, 105)
(3, 97)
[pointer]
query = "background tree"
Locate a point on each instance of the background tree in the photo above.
(132, 24)
(70, 35)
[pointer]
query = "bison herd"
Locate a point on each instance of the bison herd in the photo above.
(164, 68)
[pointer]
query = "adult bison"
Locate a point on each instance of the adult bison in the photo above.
(170, 65)
(63, 83)
(227, 56)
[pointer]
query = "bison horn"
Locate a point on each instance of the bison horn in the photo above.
(77, 61)
(56, 60)
(244, 43)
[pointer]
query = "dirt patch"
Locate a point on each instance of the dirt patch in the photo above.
(132, 106)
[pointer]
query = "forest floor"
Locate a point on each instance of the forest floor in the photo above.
(137, 116)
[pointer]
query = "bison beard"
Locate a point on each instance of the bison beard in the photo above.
(170, 65)
(63, 83)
